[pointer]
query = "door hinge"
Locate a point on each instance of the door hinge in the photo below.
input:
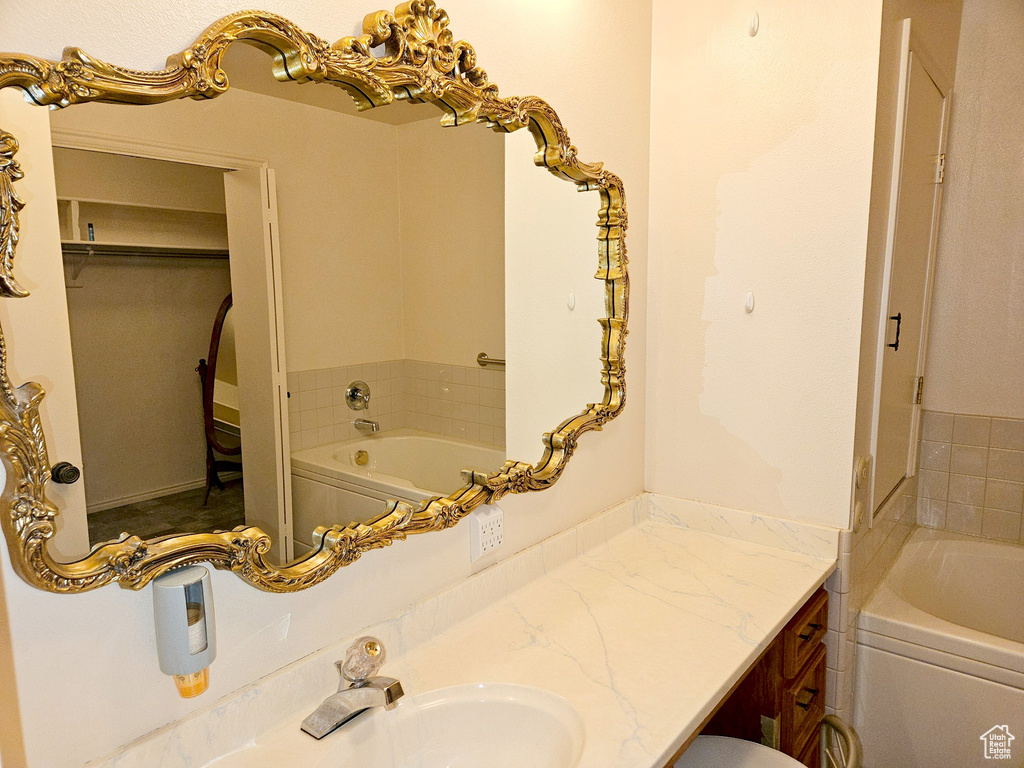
(940, 169)
(920, 390)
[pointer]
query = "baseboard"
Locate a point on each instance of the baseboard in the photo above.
(156, 494)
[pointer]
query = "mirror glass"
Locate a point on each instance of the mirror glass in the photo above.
(287, 313)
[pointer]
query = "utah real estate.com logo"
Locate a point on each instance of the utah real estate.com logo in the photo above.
(997, 742)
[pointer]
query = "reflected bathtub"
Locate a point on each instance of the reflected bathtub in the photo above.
(330, 487)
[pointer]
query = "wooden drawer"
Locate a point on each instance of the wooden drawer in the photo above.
(810, 755)
(779, 689)
(803, 703)
(802, 636)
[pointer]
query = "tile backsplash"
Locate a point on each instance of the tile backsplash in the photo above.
(971, 476)
(455, 400)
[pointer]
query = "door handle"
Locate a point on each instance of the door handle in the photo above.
(898, 317)
(807, 704)
(65, 472)
(808, 635)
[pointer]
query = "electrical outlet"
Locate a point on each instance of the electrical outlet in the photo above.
(486, 531)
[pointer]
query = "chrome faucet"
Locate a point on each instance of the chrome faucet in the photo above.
(359, 689)
(366, 425)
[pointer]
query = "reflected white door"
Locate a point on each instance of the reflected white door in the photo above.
(259, 349)
(36, 327)
(913, 238)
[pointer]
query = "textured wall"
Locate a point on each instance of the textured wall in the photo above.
(976, 341)
(459, 254)
(760, 176)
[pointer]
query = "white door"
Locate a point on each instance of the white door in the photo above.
(913, 231)
(259, 349)
(36, 327)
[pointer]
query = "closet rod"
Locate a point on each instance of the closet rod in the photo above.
(119, 249)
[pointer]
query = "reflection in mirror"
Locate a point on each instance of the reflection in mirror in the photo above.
(221, 411)
(146, 268)
(356, 246)
(553, 301)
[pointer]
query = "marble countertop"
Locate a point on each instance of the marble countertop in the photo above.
(643, 635)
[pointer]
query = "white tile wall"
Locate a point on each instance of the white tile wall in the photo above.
(972, 475)
(317, 413)
(864, 558)
(971, 480)
(460, 401)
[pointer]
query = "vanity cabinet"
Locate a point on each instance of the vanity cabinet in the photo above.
(781, 700)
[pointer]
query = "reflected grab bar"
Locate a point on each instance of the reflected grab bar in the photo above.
(483, 360)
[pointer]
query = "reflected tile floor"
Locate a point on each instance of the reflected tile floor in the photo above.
(178, 513)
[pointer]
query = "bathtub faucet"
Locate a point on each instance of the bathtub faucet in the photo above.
(366, 425)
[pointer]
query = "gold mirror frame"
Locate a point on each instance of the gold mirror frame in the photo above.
(421, 62)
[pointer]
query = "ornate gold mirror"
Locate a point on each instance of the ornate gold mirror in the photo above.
(382, 268)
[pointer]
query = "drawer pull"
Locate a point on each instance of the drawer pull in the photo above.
(807, 704)
(809, 635)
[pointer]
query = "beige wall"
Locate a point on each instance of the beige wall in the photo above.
(138, 329)
(347, 260)
(435, 184)
(452, 215)
(760, 178)
(99, 647)
(136, 180)
(976, 341)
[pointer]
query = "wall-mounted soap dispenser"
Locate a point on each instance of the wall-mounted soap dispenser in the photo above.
(186, 639)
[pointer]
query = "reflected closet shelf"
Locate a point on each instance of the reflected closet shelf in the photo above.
(97, 248)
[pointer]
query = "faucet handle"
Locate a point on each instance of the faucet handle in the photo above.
(363, 660)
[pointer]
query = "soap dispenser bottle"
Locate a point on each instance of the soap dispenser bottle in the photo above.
(186, 640)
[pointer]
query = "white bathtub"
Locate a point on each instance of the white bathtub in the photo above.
(940, 656)
(330, 488)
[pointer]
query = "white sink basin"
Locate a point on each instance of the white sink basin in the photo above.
(468, 726)
(499, 726)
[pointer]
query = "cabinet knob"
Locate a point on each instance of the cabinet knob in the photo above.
(65, 472)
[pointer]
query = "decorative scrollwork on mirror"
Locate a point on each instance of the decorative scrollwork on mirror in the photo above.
(421, 61)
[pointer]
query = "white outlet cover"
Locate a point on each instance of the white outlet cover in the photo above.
(486, 530)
